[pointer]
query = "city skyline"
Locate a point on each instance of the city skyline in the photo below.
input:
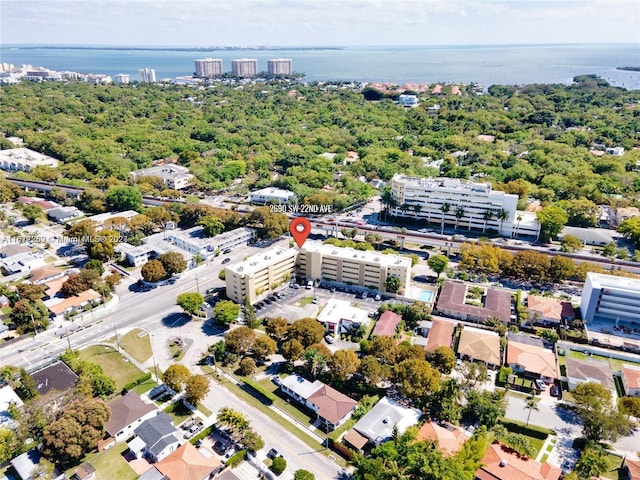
(199, 23)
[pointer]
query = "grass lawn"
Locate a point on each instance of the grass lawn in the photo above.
(137, 344)
(178, 412)
(176, 351)
(303, 302)
(614, 363)
(110, 465)
(615, 472)
(144, 387)
(535, 435)
(113, 363)
(204, 410)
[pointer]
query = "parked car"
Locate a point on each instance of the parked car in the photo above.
(378, 297)
(226, 250)
(315, 300)
(329, 338)
(273, 453)
(333, 289)
(540, 384)
(226, 260)
(219, 447)
(555, 391)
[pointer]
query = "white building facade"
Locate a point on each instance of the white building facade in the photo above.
(175, 177)
(24, 160)
(465, 205)
(279, 66)
(208, 67)
(244, 67)
(272, 195)
(607, 297)
(147, 75)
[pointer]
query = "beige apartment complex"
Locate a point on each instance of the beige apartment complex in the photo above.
(244, 67)
(353, 267)
(259, 274)
(263, 272)
(208, 67)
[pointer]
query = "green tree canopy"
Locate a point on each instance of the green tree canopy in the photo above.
(124, 198)
(226, 311)
(190, 302)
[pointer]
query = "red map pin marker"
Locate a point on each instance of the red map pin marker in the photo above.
(300, 229)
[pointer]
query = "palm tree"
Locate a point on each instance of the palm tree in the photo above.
(530, 405)
(387, 201)
(459, 214)
(502, 216)
(519, 219)
(486, 217)
(444, 209)
(404, 207)
(416, 210)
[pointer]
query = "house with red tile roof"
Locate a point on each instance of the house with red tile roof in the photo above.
(502, 463)
(187, 463)
(387, 324)
(453, 302)
(631, 380)
(440, 335)
(449, 438)
(548, 311)
(532, 360)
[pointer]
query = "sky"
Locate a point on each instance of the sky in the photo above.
(317, 22)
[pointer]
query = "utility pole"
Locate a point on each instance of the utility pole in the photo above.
(197, 284)
(116, 332)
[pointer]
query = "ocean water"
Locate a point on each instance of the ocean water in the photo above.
(486, 65)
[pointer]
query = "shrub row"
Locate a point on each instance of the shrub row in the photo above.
(236, 458)
(138, 381)
(270, 397)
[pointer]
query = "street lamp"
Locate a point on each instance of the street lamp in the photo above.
(197, 284)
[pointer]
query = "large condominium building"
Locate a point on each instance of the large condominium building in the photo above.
(23, 159)
(194, 241)
(457, 203)
(208, 67)
(354, 267)
(279, 66)
(610, 298)
(175, 177)
(147, 75)
(259, 274)
(121, 78)
(244, 67)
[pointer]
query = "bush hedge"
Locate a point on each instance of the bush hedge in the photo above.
(138, 381)
(268, 396)
(236, 458)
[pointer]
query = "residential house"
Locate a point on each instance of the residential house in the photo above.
(387, 324)
(155, 438)
(378, 424)
(44, 204)
(58, 307)
(86, 471)
(4, 301)
(480, 346)
(532, 360)
(45, 274)
(7, 397)
(338, 316)
(332, 407)
(127, 413)
(591, 236)
(12, 249)
(631, 380)
(502, 463)
(549, 311)
(455, 302)
(189, 463)
(25, 464)
(582, 371)
(633, 469)
(54, 378)
(63, 214)
(449, 438)
(22, 262)
(440, 335)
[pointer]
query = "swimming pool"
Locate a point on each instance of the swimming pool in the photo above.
(425, 295)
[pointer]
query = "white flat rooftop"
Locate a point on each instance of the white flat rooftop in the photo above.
(352, 254)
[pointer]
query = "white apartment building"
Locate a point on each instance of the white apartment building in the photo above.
(279, 66)
(195, 242)
(459, 203)
(147, 75)
(244, 67)
(610, 298)
(175, 177)
(271, 195)
(208, 67)
(367, 269)
(259, 274)
(24, 160)
(121, 78)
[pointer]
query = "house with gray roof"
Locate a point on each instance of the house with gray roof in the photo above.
(155, 438)
(582, 371)
(25, 464)
(57, 377)
(377, 425)
(127, 413)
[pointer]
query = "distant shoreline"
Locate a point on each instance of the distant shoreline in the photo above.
(161, 49)
(629, 69)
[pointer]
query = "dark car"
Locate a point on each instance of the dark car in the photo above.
(555, 391)
(226, 250)
(219, 447)
(273, 453)
(226, 260)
